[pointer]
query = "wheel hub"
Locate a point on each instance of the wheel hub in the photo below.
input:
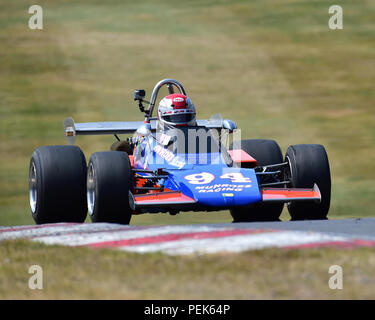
(90, 190)
(33, 187)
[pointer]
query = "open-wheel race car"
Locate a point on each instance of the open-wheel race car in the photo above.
(173, 163)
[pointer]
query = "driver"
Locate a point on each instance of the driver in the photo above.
(176, 110)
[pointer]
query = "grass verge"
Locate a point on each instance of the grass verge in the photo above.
(84, 273)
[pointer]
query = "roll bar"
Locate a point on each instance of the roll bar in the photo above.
(170, 83)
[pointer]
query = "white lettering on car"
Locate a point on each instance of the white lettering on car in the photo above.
(169, 156)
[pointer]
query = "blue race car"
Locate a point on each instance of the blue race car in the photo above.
(174, 163)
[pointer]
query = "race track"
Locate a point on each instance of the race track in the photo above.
(207, 238)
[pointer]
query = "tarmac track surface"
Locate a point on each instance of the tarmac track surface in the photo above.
(202, 238)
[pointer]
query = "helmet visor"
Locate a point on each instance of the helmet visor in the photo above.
(179, 118)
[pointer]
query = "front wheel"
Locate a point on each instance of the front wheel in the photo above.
(109, 180)
(265, 152)
(57, 184)
(308, 164)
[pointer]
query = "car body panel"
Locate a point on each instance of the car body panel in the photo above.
(204, 177)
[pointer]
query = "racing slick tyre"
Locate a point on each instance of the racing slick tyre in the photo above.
(109, 179)
(308, 164)
(266, 152)
(57, 184)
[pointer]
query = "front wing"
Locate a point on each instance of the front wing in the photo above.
(176, 200)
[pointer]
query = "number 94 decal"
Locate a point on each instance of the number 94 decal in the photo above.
(206, 177)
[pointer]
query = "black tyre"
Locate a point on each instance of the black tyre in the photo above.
(308, 164)
(266, 152)
(57, 184)
(109, 179)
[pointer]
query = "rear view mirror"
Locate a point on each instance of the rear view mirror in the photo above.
(229, 125)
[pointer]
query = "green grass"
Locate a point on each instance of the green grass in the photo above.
(265, 274)
(273, 67)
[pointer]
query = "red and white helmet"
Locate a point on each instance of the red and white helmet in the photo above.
(177, 110)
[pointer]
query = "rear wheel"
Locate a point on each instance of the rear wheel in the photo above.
(266, 152)
(57, 184)
(109, 180)
(308, 164)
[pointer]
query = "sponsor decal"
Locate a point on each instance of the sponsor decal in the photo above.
(206, 177)
(178, 111)
(169, 156)
(223, 187)
(164, 139)
(178, 99)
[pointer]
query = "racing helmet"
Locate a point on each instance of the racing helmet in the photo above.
(177, 110)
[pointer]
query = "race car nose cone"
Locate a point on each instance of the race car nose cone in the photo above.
(219, 187)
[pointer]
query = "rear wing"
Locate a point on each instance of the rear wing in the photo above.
(73, 129)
